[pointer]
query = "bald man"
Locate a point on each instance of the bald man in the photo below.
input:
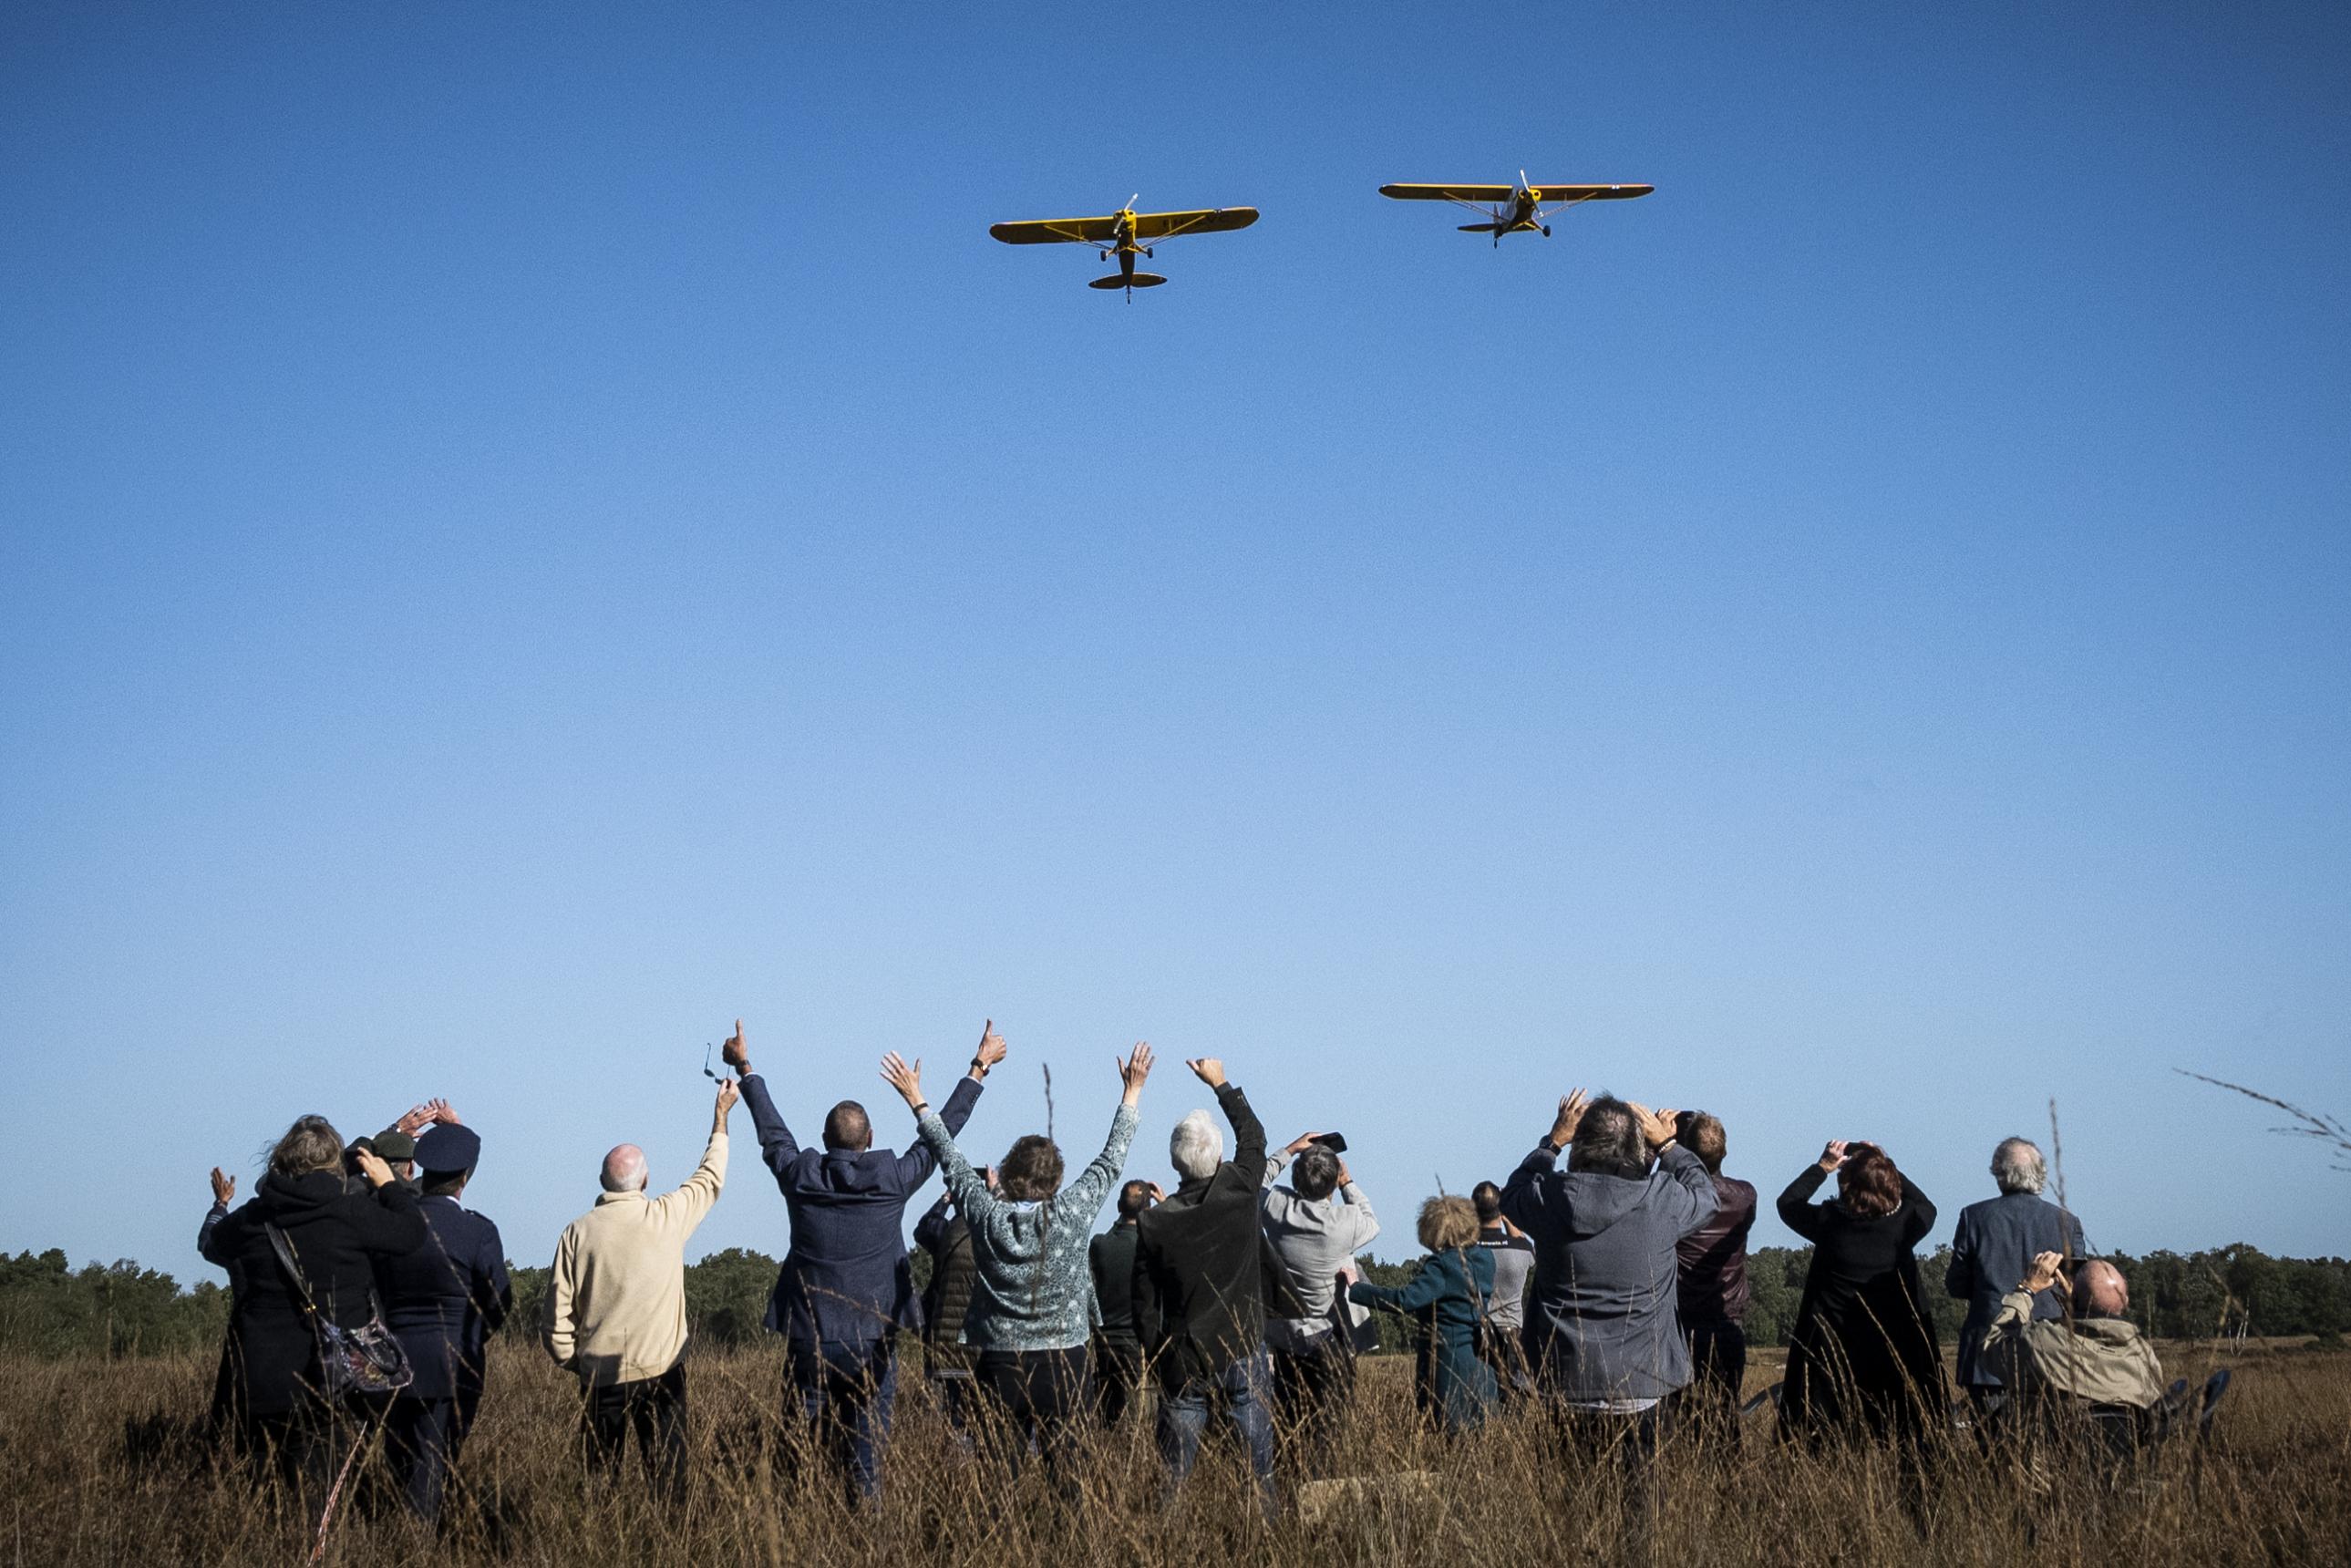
(2096, 1355)
(615, 1312)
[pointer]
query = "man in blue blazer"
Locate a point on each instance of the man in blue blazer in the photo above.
(1993, 1247)
(847, 1285)
(442, 1302)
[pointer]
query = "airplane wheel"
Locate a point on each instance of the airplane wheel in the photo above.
(1546, 231)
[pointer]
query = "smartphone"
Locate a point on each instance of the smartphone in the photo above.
(1335, 1142)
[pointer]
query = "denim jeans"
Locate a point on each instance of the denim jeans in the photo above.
(842, 1395)
(1241, 1391)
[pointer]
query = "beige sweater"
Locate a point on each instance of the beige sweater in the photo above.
(2101, 1359)
(616, 1306)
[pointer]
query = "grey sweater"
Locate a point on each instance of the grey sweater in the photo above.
(1032, 1290)
(1602, 1321)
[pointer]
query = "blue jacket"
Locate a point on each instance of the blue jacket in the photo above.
(1992, 1250)
(847, 1278)
(445, 1299)
(1445, 1299)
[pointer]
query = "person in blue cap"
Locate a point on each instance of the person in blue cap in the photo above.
(443, 1301)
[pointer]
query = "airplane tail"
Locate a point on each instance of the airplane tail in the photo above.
(1140, 280)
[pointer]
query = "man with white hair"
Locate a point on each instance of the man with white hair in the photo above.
(1993, 1247)
(615, 1310)
(1204, 1277)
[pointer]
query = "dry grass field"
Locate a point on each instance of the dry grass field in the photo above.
(96, 1468)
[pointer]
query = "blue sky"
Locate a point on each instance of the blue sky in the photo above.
(525, 536)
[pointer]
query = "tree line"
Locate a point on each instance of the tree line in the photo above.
(48, 1308)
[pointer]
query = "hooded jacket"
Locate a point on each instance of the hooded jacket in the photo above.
(336, 1236)
(846, 1280)
(2100, 1361)
(1600, 1318)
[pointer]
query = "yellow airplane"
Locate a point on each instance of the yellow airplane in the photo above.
(1513, 209)
(1122, 234)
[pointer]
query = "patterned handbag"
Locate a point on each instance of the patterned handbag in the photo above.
(364, 1360)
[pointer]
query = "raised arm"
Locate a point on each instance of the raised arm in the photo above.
(1691, 1184)
(223, 1194)
(913, 1167)
(1797, 1211)
(1357, 1209)
(1919, 1211)
(1249, 1133)
(931, 1229)
(1525, 1201)
(393, 1225)
(686, 1204)
(777, 1147)
(1086, 1195)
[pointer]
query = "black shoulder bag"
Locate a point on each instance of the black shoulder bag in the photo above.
(364, 1360)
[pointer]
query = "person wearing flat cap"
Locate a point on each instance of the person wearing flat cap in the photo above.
(443, 1301)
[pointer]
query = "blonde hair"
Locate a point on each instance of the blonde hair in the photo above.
(1448, 1224)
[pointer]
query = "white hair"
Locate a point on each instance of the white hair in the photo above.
(2017, 1166)
(624, 1169)
(1196, 1146)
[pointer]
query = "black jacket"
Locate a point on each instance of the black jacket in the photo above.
(1109, 1258)
(337, 1237)
(444, 1299)
(1863, 1346)
(1204, 1272)
(943, 1234)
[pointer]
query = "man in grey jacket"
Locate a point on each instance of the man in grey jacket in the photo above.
(1993, 1247)
(1603, 1336)
(1318, 1225)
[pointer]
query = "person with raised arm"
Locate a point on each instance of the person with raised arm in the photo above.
(1318, 1225)
(615, 1313)
(1032, 1303)
(1204, 1278)
(1862, 1355)
(847, 1285)
(1603, 1336)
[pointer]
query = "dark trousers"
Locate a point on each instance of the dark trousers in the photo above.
(1593, 1437)
(1118, 1380)
(303, 1450)
(421, 1440)
(1719, 1369)
(1040, 1398)
(1239, 1392)
(652, 1408)
(1311, 1388)
(1506, 1357)
(842, 1396)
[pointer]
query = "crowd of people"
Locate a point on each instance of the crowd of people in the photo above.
(1603, 1283)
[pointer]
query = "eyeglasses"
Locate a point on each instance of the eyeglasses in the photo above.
(706, 1050)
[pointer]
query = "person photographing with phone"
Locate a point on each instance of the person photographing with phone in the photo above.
(1318, 1225)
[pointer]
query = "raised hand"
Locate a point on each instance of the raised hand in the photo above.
(2043, 1272)
(992, 1050)
(1657, 1126)
(1133, 1070)
(904, 1077)
(1570, 1117)
(223, 1187)
(735, 1054)
(728, 1093)
(443, 1112)
(1158, 1193)
(371, 1165)
(414, 1120)
(1834, 1154)
(1210, 1071)
(1297, 1145)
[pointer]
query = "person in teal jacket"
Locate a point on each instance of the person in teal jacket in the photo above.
(1447, 1300)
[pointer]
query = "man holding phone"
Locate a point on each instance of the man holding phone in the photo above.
(1318, 1225)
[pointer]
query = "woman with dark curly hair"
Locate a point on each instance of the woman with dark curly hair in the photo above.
(1863, 1354)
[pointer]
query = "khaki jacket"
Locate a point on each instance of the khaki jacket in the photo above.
(2101, 1360)
(616, 1295)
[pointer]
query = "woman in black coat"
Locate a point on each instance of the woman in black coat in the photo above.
(1863, 1352)
(335, 1236)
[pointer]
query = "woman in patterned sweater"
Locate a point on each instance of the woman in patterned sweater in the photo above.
(1032, 1303)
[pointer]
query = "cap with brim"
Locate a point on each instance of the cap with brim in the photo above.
(445, 1149)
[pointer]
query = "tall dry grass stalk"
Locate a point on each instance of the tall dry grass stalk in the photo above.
(96, 1468)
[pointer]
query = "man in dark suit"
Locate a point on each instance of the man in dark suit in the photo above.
(847, 1285)
(443, 1301)
(1203, 1276)
(1118, 1355)
(1993, 1247)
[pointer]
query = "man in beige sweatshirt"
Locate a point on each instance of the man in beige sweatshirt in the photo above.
(615, 1312)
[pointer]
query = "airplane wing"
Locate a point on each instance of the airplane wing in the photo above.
(1589, 193)
(1449, 192)
(1167, 225)
(1058, 231)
